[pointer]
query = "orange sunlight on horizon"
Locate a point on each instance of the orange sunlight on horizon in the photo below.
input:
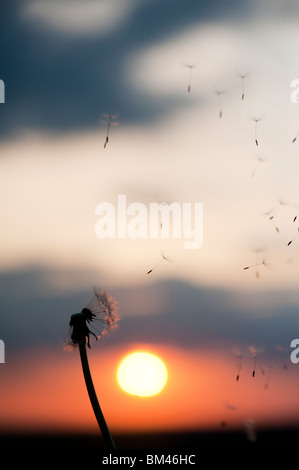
(46, 392)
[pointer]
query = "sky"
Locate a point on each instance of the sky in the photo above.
(66, 64)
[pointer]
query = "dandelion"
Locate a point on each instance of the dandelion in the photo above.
(109, 120)
(162, 259)
(254, 352)
(96, 319)
(190, 67)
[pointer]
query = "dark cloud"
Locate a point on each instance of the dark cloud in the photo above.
(59, 82)
(34, 314)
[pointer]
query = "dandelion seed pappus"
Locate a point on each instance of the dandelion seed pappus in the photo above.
(100, 313)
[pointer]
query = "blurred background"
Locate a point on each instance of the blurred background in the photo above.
(168, 70)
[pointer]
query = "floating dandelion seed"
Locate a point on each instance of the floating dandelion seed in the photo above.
(272, 221)
(190, 67)
(254, 352)
(268, 378)
(260, 160)
(100, 313)
(109, 120)
(250, 430)
(256, 121)
(243, 76)
(231, 407)
(238, 353)
(164, 205)
(163, 259)
(295, 138)
(258, 263)
(291, 241)
(219, 93)
(296, 207)
(284, 355)
(273, 213)
(257, 273)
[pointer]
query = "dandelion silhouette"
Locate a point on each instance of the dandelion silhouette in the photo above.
(109, 120)
(190, 67)
(243, 76)
(101, 315)
(163, 259)
(254, 352)
(219, 93)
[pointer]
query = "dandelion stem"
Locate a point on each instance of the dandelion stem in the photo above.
(93, 397)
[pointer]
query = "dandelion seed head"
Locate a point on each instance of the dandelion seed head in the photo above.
(97, 318)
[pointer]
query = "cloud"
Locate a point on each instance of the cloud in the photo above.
(60, 79)
(36, 305)
(92, 17)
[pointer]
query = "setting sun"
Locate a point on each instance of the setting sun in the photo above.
(142, 374)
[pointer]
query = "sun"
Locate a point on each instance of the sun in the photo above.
(142, 374)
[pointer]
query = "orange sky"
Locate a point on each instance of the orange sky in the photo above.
(45, 390)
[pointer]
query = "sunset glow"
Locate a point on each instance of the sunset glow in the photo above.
(149, 155)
